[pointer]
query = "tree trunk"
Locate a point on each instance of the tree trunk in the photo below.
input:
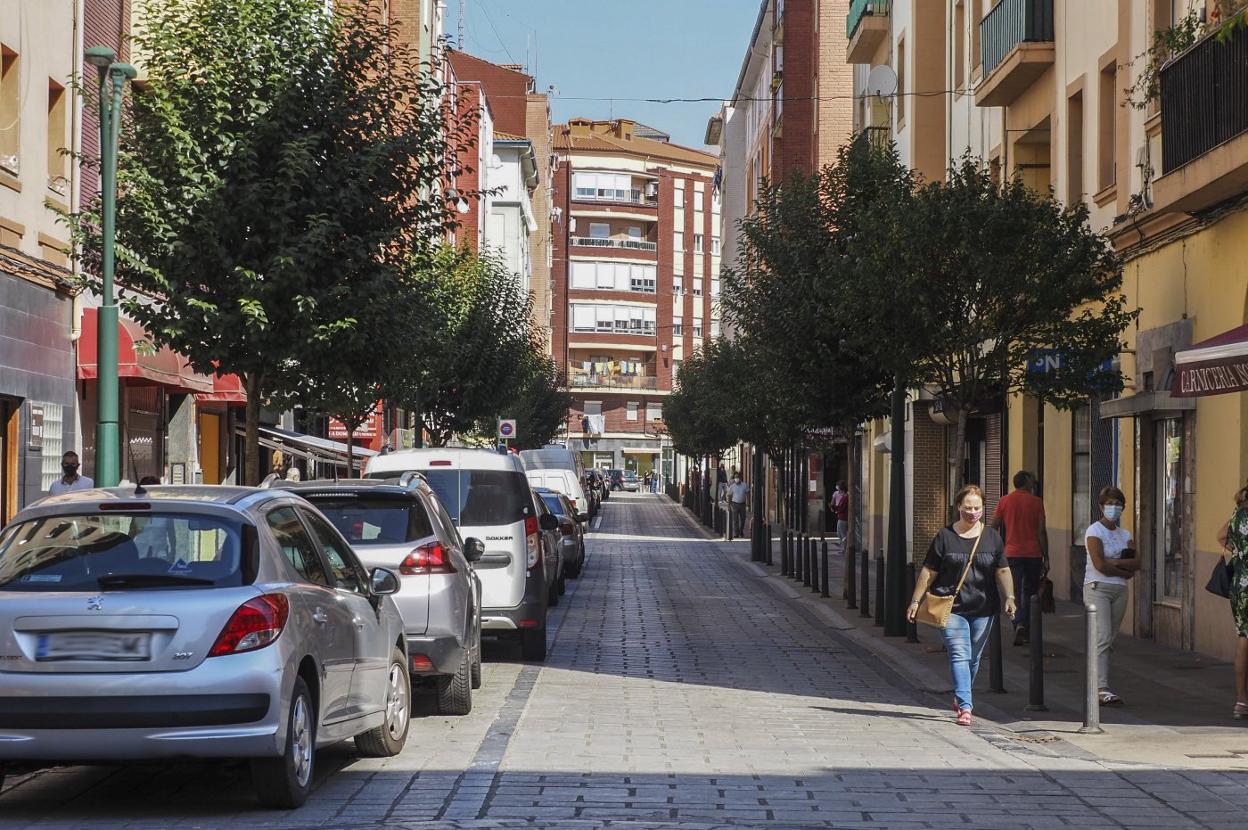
(959, 452)
(350, 450)
(251, 431)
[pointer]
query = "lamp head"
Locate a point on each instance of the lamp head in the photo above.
(101, 57)
(125, 69)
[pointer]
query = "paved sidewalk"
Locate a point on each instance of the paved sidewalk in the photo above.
(1178, 703)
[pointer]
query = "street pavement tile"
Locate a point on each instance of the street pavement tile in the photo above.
(682, 692)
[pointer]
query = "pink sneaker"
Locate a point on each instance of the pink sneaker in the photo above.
(964, 717)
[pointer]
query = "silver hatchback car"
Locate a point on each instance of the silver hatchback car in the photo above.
(195, 622)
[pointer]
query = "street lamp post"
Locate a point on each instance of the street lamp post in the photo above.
(112, 78)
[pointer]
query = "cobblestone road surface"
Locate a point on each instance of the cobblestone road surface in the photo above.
(681, 691)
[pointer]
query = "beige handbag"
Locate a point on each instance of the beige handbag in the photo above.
(934, 610)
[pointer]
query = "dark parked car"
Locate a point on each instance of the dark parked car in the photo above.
(615, 479)
(571, 530)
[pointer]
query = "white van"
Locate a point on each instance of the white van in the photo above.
(560, 470)
(487, 496)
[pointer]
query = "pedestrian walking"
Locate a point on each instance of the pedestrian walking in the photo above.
(721, 483)
(1019, 518)
(1111, 564)
(839, 507)
(966, 560)
(1234, 537)
(738, 497)
(70, 480)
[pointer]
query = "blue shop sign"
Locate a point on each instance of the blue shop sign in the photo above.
(1045, 361)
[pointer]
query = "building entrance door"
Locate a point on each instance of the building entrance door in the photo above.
(210, 447)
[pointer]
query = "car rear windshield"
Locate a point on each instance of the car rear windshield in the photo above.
(476, 498)
(554, 503)
(367, 520)
(140, 549)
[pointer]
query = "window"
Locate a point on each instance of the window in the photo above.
(676, 368)
(375, 521)
(341, 566)
(642, 279)
(10, 110)
(1168, 507)
(295, 544)
(56, 138)
(714, 328)
(698, 199)
(583, 317)
(1081, 472)
(1074, 149)
(584, 275)
(715, 245)
(654, 411)
(697, 288)
(599, 230)
(678, 240)
(1107, 109)
(607, 276)
(615, 319)
(714, 288)
(959, 46)
(678, 284)
(697, 243)
(977, 14)
(53, 441)
(678, 329)
(603, 186)
(593, 407)
(680, 194)
(697, 328)
(901, 82)
(632, 411)
(634, 233)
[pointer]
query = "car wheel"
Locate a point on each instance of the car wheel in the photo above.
(388, 739)
(552, 595)
(455, 692)
(285, 782)
(533, 644)
(476, 663)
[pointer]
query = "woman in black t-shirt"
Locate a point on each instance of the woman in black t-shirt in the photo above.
(979, 601)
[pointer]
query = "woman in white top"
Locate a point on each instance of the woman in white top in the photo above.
(1111, 564)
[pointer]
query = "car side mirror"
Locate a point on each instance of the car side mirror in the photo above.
(548, 521)
(474, 549)
(582, 517)
(384, 582)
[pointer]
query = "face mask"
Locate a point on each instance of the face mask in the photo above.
(971, 516)
(1113, 512)
(69, 469)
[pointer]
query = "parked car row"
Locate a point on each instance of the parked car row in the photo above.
(264, 623)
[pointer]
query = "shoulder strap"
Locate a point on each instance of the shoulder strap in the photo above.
(970, 561)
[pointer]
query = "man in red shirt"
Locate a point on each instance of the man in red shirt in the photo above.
(1020, 519)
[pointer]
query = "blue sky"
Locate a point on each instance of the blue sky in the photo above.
(618, 49)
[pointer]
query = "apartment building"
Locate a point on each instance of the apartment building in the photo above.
(635, 263)
(791, 110)
(1057, 92)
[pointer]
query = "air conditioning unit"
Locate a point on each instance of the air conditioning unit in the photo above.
(652, 189)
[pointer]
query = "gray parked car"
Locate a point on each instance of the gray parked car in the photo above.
(195, 622)
(400, 524)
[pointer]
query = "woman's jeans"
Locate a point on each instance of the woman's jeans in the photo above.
(965, 638)
(1110, 599)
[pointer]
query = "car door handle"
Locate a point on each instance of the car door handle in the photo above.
(320, 616)
(359, 624)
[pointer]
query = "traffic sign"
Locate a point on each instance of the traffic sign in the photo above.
(506, 428)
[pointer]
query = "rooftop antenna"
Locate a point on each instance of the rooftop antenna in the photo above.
(460, 43)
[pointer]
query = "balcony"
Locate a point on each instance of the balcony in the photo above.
(634, 196)
(1016, 47)
(642, 382)
(866, 26)
(1204, 125)
(598, 242)
(880, 138)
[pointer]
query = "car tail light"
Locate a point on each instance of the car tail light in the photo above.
(533, 540)
(421, 663)
(430, 558)
(256, 624)
(567, 527)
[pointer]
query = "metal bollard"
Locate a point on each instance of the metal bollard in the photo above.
(996, 671)
(784, 559)
(879, 588)
(850, 580)
(825, 585)
(864, 584)
(801, 557)
(912, 629)
(807, 576)
(814, 565)
(1035, 701)
(767, 551)
(1091, 682)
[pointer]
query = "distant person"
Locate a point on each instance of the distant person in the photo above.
(721, 483)
(979, 584)
(1111, 564)
(738, 497)
(70, 480)
(1234, 537)
(839, 507)
(1020, 519)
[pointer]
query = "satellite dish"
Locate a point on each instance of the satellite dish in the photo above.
(881, 81)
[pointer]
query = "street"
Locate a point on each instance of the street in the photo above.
(681, 690)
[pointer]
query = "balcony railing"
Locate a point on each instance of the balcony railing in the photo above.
(579, 381)
(636, 196)
(596, 242)
(1204, 99)
(879, 138)
(859, 9)
(1010, 23)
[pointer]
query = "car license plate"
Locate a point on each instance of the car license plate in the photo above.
(125, 646)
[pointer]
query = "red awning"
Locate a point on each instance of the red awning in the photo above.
(136, 358)
(226, 389)
(1212, 367)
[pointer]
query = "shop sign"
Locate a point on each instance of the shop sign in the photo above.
(365, 432)
(1210, 378)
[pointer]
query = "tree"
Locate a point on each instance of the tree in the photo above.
(474, 343)
(276, 164)
(539, 406)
